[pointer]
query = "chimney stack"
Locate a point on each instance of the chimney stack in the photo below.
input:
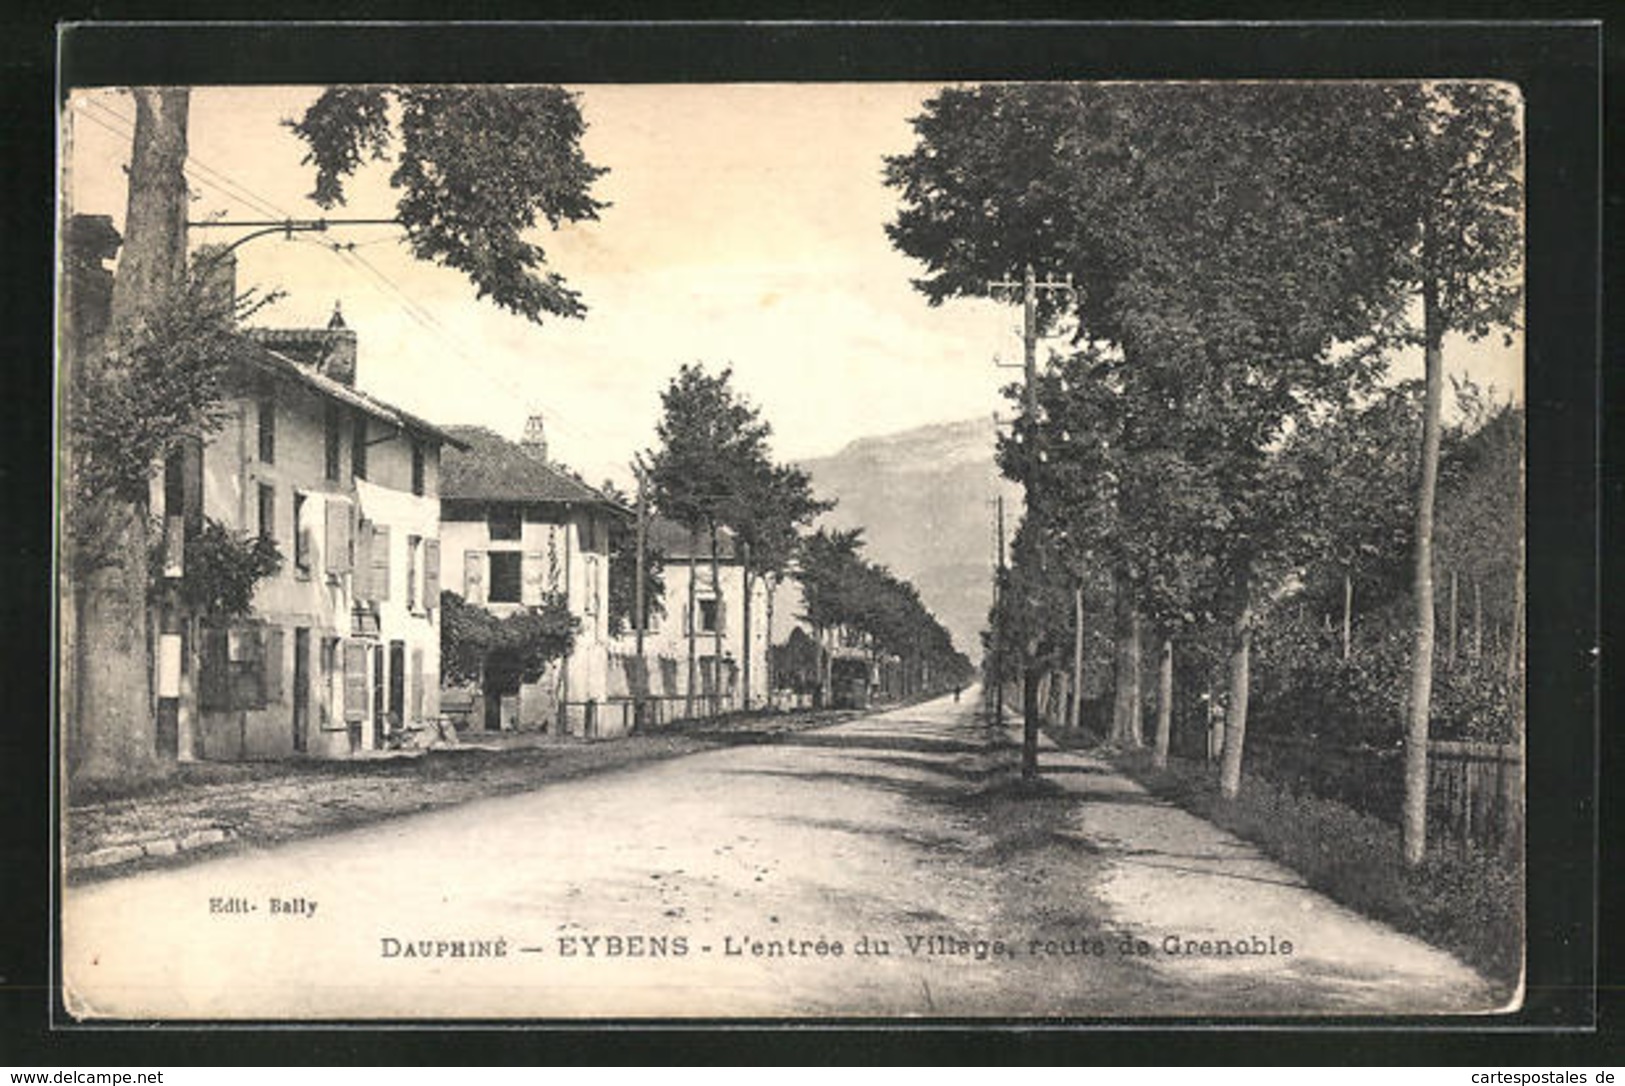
(535, 440)
(339, 361)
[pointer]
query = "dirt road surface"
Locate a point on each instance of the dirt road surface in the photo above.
(890, 866)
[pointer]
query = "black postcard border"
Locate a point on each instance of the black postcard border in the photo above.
(1558, 65)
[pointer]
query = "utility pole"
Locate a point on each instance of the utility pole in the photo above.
(1031, 555)
(638, 609)
(998, 632)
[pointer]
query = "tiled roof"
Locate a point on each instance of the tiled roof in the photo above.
(277, 362)
(489, 467)
(672, 540)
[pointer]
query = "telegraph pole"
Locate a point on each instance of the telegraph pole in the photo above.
(1031, 554)
(639, 613)
(998, 630)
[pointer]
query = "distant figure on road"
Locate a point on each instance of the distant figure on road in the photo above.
(957, 688)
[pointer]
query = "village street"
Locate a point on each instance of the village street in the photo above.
(759, 880)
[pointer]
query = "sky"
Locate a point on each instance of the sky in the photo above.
(746, 229)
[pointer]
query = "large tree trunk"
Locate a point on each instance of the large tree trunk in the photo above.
(1076, 715)
(693, 623)
(1414, 824)
(1127, 726)
(115, 726)
(1165, 702)
(1348, 612)
(1235, 721)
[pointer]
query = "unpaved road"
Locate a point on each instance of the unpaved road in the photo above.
(719, 885)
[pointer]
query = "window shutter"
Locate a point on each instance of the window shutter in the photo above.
(214, 672)
(337, 558)
(379, 543)
(362, 587)
(474, 576)
(271, 666)
(355, 681)
(533, 571)
(413, 550)
(431, 573)
(417, 686)
(688, 619)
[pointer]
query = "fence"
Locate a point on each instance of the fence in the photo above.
(1475, 790)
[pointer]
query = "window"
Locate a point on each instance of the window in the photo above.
(301, 535)
(413, 544)
(417, 469)
(268, 512)
(505, 577)
(504, 522)
(358, 448)
(334, 441)
(267, 413)
(708, 616)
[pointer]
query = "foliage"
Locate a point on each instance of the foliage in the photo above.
(768, 510)
(151, 387)
(529, 639)
(712, 443)
(477, 168)
(220, 569)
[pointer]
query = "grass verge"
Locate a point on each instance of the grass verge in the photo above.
(1466, 901)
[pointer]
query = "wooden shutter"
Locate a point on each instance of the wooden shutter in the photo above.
(361, 586)
(356, 699)
(532, 575)
(214, 671)
(431, 573)
(337, 558)
(379, 582)
(417, 686)
(474, 576)
(271, 665)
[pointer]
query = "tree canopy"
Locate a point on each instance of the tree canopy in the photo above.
(477, 169)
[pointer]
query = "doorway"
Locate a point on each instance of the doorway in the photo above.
(378, 691)
(397, 685)
(301, 689)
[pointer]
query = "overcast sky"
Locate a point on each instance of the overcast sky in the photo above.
(746, 228)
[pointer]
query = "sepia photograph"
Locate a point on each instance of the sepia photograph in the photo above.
(796, 551)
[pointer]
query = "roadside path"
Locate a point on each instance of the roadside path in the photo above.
(718, 885)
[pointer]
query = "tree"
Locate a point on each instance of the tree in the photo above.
(1227, 241)
(767, 514)
(1460, 148)
(711, 444)
(623, 565)
(477, 168)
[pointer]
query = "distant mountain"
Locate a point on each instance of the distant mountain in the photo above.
(924, 500)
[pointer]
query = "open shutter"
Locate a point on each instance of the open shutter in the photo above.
(474, 576)
(337, 558)
(379, 582)
(355, 681)
(361, 586)
(431, 573)
(271, 665)
(417, 686)
(533, 573)
(214, 672)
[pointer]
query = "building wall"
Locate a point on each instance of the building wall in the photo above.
(315, 597)
(560, 550)
(667, 636)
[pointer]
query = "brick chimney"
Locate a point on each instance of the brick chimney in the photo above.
(339, 361)
(535, 440)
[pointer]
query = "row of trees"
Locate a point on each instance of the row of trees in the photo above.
(714, 470)
(845, 591)
(1247, 258)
